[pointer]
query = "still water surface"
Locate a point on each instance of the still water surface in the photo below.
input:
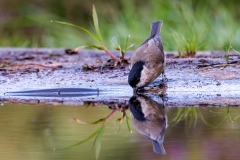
(33, 131)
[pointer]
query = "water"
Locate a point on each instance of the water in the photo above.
(33, 131)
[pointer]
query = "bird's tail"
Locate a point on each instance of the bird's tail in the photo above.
(155, 28)
(158, 147)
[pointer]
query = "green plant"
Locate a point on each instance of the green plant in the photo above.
(19, 26)
(191, 38)
(226, 52)
(98, 37)
(188, 45)
(100, 131)
(227, 49)
(227, 116)
(189, 115)
(117, 46)
(119, 120)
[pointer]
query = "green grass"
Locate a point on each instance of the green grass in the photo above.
(98, 37)
(191, 115)
(95, 35)
(188, 25)
(98, 134)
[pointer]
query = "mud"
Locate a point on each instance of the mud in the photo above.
(53, 76)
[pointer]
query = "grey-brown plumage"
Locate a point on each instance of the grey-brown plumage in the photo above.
(149, 119)
(148, 61)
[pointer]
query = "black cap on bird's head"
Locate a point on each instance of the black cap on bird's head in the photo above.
(136, 109)
(135, 74)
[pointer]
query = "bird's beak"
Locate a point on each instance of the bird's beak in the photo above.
(135, 91)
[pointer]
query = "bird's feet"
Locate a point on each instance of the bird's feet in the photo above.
(164, 79)
(164, 99)
(137, 91)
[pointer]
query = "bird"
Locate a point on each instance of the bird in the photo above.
(148, 61)
(149, 119)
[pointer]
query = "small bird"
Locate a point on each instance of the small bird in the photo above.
(148, 61)
(149, 119)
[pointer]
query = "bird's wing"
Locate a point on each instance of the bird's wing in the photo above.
(139, 54)
(150, 52)
(155, 55)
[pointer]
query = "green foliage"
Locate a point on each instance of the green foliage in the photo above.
(227, 49)
(188, 114)
(226, 52)
(99, 132)
(95, 36)
(117, 46)
(128, 125)
(227, 117)
(96, 26)
(98, 141)
(192, 114)
(196, 25)
(188, 45)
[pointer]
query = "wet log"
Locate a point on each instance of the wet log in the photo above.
(204, 80)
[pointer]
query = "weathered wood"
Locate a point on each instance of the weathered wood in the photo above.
(191, 81)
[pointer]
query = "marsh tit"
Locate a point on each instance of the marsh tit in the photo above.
(149, 119)
(149, 60)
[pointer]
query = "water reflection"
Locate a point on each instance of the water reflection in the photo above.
(192, 132)
(150, 119)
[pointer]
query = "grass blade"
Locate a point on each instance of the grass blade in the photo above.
(95, 23)
(88, 138)
(94, 46)
(128, 125)
(85, 30)
(125, 47)
(98, 140)
(130, 46)
(196, 117)
(115, 43)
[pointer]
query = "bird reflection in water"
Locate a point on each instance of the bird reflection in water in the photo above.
(149, 119)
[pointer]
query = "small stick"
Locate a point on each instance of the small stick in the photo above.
(110, 53)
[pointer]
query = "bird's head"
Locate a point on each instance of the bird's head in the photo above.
(136, 109)
(134, 76)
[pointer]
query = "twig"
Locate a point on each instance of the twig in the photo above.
(218, 65)
(110, 53)
(111, 114)
(41, 65)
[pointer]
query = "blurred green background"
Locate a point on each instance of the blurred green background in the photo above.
(198, 25)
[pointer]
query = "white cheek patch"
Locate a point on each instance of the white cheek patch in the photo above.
(144, 105)
(143, 78)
